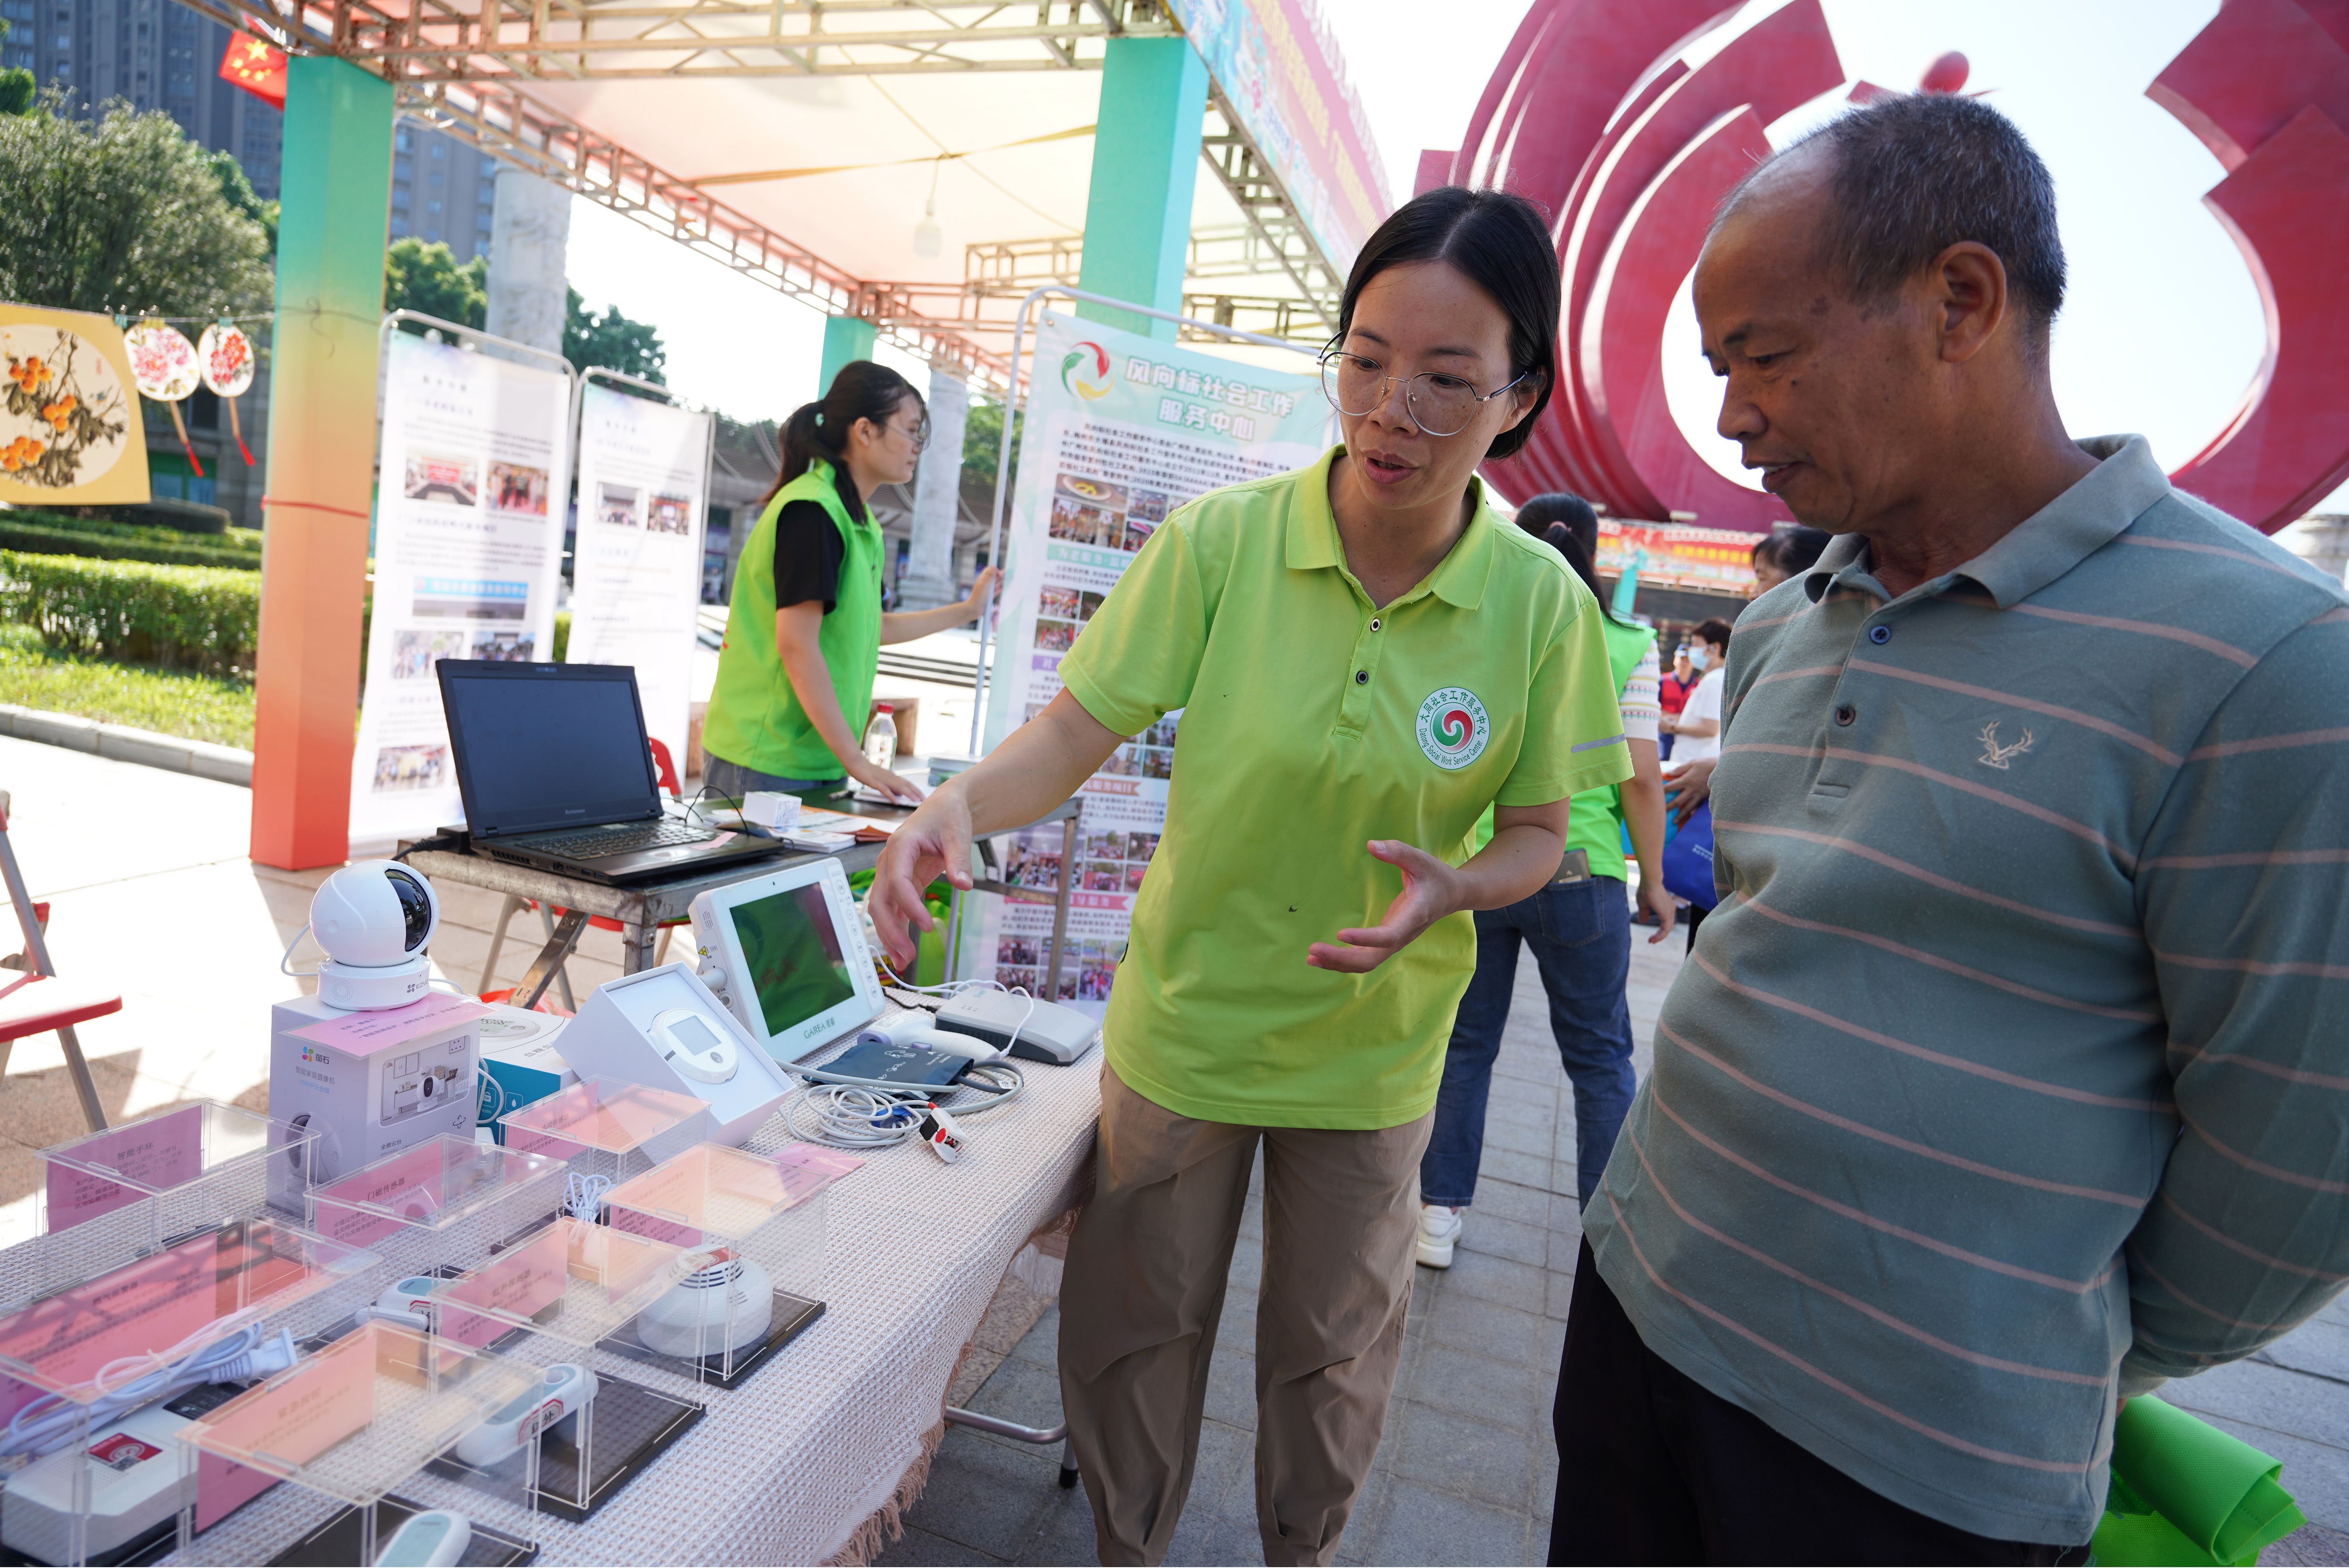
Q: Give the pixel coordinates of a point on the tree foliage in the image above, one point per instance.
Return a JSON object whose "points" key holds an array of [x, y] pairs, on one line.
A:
{"points": [[427, 278], [982, 443], [239, 193], [18, 88], [122, 214], [612, 341]]}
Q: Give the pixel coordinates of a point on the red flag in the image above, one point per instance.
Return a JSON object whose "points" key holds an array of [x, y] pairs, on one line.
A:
{"points": [[257, 66]]}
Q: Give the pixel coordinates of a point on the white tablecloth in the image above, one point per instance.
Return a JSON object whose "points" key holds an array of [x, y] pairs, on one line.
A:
{"points": [[788, 1464]]}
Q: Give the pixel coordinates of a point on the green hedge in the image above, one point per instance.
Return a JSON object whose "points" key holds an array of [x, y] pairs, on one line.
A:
{"points": [[48, 541], [239, 539], [199, 618]]}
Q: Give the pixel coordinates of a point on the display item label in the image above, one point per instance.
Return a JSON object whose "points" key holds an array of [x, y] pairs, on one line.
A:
{"points": [[1452, 727]]}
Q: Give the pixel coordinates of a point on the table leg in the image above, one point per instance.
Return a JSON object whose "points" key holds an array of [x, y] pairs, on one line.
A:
{"points": [[637, 946], [1060, 907], [560, 946]]}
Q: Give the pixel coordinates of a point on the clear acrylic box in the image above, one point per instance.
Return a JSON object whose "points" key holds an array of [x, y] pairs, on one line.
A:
{"points": [[609, 1131], [553, 1301], [358, 1417], [208, 1162], [761, 1218], [437, 1210], [89, 1317]]}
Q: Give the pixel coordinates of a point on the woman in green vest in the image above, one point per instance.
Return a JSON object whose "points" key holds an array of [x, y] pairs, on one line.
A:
{"points": [[804, 634], [1579, 928]]}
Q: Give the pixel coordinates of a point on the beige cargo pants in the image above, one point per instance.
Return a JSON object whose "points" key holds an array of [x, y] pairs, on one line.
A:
{"points": [[1144, 1288]]}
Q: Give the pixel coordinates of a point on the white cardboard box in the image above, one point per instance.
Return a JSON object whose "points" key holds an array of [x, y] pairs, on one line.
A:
{"points": [[373, 1084]]}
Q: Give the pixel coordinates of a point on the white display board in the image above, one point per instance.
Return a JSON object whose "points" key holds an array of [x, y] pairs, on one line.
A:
{"points": [[636, 562], [1121, 429], [473, 474]]}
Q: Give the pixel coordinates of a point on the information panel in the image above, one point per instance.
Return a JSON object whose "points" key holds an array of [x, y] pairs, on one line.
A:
{"points": [[635, 565], [468, 556], [1121, 429]]}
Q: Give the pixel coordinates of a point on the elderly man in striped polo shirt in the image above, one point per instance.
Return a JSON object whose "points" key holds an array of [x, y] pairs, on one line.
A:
{"points": [[2009, 1079]]}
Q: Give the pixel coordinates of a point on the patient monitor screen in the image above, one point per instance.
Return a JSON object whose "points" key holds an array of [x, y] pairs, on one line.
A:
{"points": [[797, 969]]}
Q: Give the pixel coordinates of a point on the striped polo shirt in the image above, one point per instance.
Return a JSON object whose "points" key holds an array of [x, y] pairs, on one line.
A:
{"points": [[2012, 1072]]}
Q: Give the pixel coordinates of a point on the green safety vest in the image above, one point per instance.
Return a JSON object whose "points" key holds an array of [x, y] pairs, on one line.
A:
{"points": [[755, 719], [1597, 817]]}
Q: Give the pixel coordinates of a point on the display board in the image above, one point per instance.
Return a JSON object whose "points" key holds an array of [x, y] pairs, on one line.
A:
{"points": [[1121, 429], [1678, 554], [468, 556], [636, 562], [70, 432]]}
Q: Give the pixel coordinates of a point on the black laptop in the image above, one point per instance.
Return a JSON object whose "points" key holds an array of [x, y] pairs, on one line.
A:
{"points": [[557, 773]]}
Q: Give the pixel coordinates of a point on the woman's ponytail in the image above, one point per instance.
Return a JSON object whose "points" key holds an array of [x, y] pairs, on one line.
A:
{"points": [[860, 390]]}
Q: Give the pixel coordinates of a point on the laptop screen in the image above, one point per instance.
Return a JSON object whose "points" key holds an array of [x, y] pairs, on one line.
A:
{"points": [[547, 746]]}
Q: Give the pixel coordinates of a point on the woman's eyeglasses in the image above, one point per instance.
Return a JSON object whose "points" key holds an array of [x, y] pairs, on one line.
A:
{"points": [[918, 432], [1440, 405]]}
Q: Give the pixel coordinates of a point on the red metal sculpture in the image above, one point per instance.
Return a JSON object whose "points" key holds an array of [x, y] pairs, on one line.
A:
{"points": [[1591, 113]]}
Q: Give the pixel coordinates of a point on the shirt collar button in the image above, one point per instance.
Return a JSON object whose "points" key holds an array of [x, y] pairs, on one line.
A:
{"points": [[1374, 623]]}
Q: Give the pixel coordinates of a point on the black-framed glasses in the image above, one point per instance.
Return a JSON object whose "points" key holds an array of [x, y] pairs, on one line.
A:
{"points": [[1440, 405]]}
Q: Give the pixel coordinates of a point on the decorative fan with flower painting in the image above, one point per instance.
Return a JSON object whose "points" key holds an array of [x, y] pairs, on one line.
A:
{"points": [[226, 354], [163, 365]]}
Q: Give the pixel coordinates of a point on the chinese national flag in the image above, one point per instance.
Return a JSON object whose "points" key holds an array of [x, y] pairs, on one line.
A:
{"points": [[257, 66]]}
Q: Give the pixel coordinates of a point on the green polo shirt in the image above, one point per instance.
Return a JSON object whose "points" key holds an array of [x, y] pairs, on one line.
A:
{"points": [[1313, 722]]}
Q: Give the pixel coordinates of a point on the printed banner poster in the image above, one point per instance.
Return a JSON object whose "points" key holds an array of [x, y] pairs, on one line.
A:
{"points": [[1678, 554], [70, 431], [636, 568], [1121, 429], [467, 557]]}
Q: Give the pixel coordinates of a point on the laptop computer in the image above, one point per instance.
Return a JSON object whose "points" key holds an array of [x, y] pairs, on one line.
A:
{"points": [[556, 773]]}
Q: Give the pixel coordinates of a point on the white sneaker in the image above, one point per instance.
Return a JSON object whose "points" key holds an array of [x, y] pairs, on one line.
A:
{"points": [[1439, 1233]]}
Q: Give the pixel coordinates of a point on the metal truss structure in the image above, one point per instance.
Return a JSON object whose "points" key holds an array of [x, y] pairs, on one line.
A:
{"points": [[461, 66]]}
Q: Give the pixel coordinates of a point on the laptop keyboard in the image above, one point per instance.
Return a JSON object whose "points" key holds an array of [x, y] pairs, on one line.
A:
{"points": [[597, 842]]}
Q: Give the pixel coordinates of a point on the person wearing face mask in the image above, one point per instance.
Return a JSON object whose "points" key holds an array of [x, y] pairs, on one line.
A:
{"points": [[1697, 726], [804, 632], [1672, 695], [1367, 657]]}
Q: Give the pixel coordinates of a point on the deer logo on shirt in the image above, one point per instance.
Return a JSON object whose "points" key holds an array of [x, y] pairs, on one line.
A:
{"points": [[1995, 755]]}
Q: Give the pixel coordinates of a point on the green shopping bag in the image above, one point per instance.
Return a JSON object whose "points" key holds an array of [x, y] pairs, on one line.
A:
{"points": [[2184, 1492]]}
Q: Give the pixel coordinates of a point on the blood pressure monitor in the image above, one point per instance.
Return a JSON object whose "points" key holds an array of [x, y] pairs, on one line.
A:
{"points": [[691, 1046]]}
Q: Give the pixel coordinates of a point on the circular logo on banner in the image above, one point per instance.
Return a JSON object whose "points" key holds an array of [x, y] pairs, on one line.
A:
{"points": [[1084, 370], [1452, 727]]}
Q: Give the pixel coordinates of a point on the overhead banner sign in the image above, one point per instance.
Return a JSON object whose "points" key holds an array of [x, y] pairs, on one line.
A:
{"points": [[1121, 429], [467, 557], [635, 567], [1280, 68], [1679, 555]]}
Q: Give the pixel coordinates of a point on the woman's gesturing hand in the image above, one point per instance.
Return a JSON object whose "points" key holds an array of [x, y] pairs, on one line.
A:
{"points": [[933, 840], [1430, 892]]}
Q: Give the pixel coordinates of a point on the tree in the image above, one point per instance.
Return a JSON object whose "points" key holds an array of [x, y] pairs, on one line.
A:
{"points": [[18, 88], [427, 278], [982, 445], [612, 341], [238, 192], [122, 214]]}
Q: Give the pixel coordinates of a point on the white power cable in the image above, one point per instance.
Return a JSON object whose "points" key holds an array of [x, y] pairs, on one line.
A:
{"points": [[50, 1422]]}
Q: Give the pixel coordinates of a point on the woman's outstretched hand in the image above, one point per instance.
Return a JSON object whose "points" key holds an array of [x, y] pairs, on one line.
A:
{"points": [[1430, 892], [934, 841]]}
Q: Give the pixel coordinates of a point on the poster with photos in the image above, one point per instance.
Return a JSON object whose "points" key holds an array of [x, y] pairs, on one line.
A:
{"points": [[1126, 429], [467, 560]]}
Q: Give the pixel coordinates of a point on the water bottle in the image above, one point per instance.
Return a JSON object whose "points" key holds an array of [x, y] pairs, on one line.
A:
{"points": [[881, 740]]}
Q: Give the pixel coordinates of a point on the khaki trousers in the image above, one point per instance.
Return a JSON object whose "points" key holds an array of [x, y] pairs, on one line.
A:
{"points": [[1144, 1288]]}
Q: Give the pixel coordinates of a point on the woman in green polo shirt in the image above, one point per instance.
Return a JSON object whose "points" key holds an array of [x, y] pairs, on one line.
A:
{"points": [[804, 632], [1367, 657]]}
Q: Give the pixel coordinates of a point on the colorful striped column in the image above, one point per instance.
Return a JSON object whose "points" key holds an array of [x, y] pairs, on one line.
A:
{"points": [[1154, 96]]}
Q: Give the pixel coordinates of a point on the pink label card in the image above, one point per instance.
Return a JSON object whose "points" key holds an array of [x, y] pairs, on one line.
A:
{"points": [[408, 1185], [362, 1033], [153, 1155], [516, 1286], [279, 1427]]}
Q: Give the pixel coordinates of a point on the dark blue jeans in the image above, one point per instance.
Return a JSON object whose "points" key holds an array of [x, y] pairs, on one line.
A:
{"points": [[1581, 936]]}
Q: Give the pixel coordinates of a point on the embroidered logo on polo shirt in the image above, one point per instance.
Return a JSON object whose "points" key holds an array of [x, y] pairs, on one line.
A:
{"points": [[1452, 727], [1995, 755]]}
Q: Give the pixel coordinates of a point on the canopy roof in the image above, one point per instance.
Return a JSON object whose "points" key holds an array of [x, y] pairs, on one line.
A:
{"points": [[804, 141]]}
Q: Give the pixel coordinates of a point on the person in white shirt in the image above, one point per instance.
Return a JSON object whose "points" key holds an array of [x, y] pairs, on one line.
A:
{"points": [[1697, 726]]}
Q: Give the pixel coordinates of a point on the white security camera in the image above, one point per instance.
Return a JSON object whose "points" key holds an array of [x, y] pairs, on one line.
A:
{"points": [[375, 918]]}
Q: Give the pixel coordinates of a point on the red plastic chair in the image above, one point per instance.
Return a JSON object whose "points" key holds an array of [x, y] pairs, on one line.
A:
{"points": [[38, 1001]]}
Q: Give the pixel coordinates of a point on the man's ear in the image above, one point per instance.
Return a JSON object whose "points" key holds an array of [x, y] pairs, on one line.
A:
{"points": [[1968, 298]]}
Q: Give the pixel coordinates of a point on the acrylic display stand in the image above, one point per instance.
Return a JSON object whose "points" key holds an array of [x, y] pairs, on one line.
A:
{"points": [[763, 1220], [208, 1162], [336, 1543], [89, 1313], [607, 1131], [353, 1421], [441, 1207], [570, 1287]]}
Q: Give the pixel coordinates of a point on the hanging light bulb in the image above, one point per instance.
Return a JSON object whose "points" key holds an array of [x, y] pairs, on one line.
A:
{"points": [[929, 240]]}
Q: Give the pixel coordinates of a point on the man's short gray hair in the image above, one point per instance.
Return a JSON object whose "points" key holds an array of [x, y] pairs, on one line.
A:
{"points": [[1917, 173]]}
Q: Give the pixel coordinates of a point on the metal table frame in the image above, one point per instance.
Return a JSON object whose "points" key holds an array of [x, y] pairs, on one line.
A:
{"points": [[642, 907]]}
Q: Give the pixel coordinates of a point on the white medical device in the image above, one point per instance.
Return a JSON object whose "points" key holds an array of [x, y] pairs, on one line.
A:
{"points": [[407, 1302], [663, 1029], [375, 918], [136, 1472], [713, 1311], [1022, 1026], [785, 952], [435, 1538], [563, 1391]]}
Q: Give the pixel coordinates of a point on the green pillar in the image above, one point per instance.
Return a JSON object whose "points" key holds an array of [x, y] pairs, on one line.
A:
{"points": [[1154, 93], [845, 337]]}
